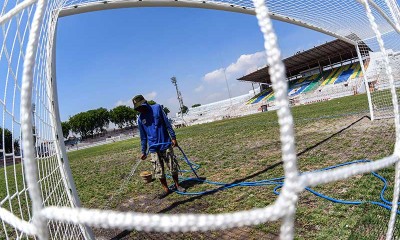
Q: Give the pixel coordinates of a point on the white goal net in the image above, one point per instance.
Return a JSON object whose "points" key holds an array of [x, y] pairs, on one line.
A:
{"points": [[38, 197]]}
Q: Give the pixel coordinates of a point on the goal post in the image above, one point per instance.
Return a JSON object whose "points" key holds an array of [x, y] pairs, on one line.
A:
{"points": [[361, 61], [61, 151], [375, 77]]}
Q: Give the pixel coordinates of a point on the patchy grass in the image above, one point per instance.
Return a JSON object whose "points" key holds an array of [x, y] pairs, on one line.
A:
{"points": [[248, 148]]}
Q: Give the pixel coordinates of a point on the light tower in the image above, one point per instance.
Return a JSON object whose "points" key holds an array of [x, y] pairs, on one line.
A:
{"points": [[179, 95]]}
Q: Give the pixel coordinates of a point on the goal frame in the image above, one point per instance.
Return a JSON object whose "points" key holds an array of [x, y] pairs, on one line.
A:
{"points": [[26, 100]]}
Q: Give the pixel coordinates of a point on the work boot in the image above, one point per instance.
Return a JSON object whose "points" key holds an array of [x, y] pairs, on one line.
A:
{"points": [[163, 194]]}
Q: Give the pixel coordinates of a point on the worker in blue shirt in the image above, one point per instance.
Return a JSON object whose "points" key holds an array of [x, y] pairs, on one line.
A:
{"points": [[158, 138]]}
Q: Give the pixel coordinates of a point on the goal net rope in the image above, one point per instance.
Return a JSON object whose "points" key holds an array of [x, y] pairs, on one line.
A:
{"points": [[40, 198]]}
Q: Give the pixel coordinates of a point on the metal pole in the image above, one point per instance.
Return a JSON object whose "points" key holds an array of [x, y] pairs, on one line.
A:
{"points": [[227, 86], [330, 64], [371, 110], [179, 95], [254, 91], [319, 67]]}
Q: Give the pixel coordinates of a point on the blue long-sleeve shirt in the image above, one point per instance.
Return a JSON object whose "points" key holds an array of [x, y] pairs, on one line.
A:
{"points": [[155, 129]]}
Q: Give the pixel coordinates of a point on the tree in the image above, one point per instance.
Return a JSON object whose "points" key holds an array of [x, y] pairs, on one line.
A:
{"points": [[90, 122], [8, 146], [166, 110], [196, 105], [133, 114], [184, 109], [118, 115], [80, 123], [100, 118], [65, 128], [123, 116], [17, 147], [151, 102]]}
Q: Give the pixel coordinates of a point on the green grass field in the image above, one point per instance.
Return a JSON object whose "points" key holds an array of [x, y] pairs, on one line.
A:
{"points": [[248, 148]]}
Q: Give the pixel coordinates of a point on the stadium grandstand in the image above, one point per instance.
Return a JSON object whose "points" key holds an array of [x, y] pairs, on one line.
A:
{"points": [[327, 71]]}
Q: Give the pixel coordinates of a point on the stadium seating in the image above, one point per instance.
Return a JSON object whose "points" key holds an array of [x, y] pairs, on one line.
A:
{"points": [[333, 76], [251, 100], [270, 97], [260, 96], [295, 87], [345, 75], [316, 82], [357, 71], [299, 86]]}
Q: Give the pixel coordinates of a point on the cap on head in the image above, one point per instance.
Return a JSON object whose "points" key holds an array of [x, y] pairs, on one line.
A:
{"points": [[138, 100]]}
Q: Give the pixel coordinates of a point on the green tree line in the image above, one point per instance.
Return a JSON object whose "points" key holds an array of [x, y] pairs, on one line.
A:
{"points": [[97, 120]]}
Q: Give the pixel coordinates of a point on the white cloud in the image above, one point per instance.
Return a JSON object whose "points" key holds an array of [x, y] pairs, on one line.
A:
{"points": [[199, 88], [214, 82], [244, 65], [150, 95], [215, 76]]}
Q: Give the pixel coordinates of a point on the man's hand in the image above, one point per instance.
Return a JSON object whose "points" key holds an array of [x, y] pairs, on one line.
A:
{"points": [[143, 157], [174, 143]]}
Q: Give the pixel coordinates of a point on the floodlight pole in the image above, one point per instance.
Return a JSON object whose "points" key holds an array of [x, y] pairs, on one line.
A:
{"points": [[179, 95], [227, 86]]}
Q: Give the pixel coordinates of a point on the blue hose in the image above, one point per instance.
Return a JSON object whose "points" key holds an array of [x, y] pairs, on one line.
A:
{"points": [[278, 182]]}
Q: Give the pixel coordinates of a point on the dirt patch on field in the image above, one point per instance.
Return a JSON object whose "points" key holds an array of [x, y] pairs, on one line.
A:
{"points": [[150, 204]]}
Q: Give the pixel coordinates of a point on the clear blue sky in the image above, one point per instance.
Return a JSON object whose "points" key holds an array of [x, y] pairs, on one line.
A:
{"points": [[104, 58]]}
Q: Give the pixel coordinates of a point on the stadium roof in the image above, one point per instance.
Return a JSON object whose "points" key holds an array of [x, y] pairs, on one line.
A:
{"points": [[322, 55]]}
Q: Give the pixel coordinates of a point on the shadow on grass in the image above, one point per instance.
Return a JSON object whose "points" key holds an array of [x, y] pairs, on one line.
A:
{"points": [[191, 199], [189, 183]]}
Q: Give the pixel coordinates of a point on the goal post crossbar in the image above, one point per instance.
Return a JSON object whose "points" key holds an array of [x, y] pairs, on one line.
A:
{"points": [[99, 6]]}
